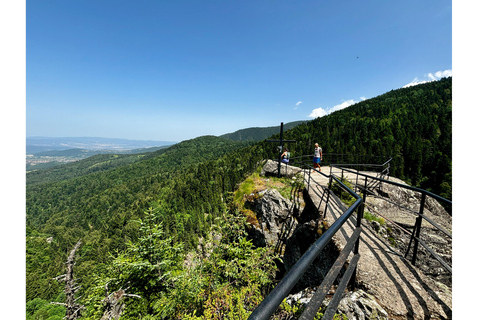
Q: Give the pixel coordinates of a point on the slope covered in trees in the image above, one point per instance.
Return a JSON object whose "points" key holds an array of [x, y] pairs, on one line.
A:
{"points": [[412, 125], [97, 198], [139, 215], [258, 134]]}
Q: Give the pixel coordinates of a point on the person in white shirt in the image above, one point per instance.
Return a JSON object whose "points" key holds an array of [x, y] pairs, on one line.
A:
{"points": [[317, 157]]}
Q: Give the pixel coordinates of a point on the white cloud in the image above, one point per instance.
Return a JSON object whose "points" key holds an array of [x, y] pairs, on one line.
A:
{"points": [[343, 105], [317, 113], [440, 74], [415, 82], [297, 104], [431, 76], [320, 112]]}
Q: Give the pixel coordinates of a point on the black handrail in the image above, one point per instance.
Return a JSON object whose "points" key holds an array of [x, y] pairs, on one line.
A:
{"points": [[273, 300], [415, 235]]}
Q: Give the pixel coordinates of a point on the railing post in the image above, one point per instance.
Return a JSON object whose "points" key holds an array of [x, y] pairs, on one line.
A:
{"points": [[328, 196], [365, 192], [419, 226], [356, 183], [309, 175], [356, 249]]}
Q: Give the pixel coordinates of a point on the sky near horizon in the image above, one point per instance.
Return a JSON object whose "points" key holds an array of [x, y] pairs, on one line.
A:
{"points": [[176, 70]]}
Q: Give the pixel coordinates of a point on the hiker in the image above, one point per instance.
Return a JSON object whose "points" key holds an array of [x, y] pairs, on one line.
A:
{"points": [[317, 157], [285, 156]]}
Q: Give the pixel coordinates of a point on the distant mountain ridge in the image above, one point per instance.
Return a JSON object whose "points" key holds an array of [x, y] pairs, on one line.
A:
{"points": [[259, 133], [41, 144], [37, 145]]}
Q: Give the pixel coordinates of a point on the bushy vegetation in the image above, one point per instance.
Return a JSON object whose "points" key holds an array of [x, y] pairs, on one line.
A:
{"points": [[227, 276]]}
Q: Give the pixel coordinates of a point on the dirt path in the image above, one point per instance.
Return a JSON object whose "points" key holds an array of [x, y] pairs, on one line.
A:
{"points": [[399, 287]]}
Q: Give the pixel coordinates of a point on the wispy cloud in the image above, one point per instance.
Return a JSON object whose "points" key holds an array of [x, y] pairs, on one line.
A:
{"points": [[343, 105], [431, 77], [297, 104], [320, 112]]}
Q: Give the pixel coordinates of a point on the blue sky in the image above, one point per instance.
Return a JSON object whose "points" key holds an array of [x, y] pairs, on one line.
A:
{"points": [[175, 70]]}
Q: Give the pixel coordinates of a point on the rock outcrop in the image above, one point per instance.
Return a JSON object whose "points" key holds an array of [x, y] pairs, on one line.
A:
{"points": [[274, 215], [290, 231], [271, 168], [357, 305]]}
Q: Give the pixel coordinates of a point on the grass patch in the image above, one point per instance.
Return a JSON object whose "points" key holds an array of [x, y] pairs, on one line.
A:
{"points": [[341, 193], [250, 188], [371, 217]]}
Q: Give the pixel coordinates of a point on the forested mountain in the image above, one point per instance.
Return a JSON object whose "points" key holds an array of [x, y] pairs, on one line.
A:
{"points": [[412, 125], [258, 134], [139, 215], [98, 199]]}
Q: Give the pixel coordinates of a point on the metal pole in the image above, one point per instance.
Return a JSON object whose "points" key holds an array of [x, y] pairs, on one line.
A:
{"points": [[356, 183], [281, 148], [360, 211], [417, 233]]}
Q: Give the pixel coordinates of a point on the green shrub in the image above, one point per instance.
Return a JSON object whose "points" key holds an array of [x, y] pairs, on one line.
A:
{"points": [[371, 217], [39, 309]]}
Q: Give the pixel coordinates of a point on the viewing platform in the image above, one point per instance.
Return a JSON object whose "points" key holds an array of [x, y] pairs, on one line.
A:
{"points": [[401, 288]]}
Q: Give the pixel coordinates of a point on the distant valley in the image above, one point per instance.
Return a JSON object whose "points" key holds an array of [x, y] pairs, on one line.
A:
{"points": [[40, 144], [47, 152]]}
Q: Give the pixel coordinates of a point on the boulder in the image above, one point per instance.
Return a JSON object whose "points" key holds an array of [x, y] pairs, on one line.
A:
{"points": [[271, 168], [273, 215], [359, 305]]}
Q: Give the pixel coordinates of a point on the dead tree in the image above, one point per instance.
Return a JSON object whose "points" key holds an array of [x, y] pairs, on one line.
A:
{"points": [[73, 308], [114, 303]]}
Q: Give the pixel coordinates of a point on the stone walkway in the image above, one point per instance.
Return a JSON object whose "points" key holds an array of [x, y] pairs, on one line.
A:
{"points": [[399, 287]]}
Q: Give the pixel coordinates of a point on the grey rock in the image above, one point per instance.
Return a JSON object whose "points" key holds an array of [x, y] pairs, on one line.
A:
{"points": [[273, 213], [360, 305], [271, 168]]}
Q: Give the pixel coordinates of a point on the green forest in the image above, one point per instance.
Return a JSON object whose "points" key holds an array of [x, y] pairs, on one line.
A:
{"points": [[145, 219]]}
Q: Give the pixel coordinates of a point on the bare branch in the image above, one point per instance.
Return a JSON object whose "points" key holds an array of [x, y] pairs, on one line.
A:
{"points": [[59, 303], [114, 304], [71, 287]]}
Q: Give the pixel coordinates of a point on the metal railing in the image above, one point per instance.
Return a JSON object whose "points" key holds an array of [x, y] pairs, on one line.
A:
{"points": [[270, 304], [274, 299], [420, 216]]}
